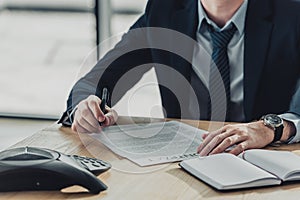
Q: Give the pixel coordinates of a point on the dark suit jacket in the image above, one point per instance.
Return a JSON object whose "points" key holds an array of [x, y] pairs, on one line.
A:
{"points": [[271, 57]]}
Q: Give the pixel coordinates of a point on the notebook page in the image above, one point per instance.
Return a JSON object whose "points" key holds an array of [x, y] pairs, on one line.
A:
{"points": [[226, 171], [281, 163]]}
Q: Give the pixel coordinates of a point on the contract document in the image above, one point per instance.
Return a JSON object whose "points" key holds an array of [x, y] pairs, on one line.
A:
{"points": [[153, 143]]}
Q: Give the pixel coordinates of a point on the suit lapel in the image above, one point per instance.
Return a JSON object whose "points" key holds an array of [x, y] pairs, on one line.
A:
{"points": [[258, 31], [184, 20]]}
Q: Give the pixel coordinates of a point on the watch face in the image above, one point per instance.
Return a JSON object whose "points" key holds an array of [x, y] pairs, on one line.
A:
{"points": [[273, 120]]}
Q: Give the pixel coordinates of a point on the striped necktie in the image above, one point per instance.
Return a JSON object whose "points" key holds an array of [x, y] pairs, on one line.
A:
{"points": [[219, 78]]}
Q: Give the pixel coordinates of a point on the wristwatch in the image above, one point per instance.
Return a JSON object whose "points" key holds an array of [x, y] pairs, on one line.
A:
{"points": [[274, 122]]}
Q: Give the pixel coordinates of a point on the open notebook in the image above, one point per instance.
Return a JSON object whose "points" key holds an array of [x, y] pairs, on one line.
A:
{"points": [[253, 168]]}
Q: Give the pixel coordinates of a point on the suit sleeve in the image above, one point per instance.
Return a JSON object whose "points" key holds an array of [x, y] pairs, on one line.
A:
{"points": [[293, 115], [122, 59]]}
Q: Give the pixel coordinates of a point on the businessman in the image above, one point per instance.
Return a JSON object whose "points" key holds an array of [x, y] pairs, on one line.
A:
{"points": [[253, 45]]}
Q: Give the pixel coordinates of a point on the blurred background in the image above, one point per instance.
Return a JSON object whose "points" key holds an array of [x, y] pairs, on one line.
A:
{"points": [[43, 44]]}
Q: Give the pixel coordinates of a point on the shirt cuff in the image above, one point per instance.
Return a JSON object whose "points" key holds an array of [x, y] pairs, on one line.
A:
{"points": [[295, 119], [68, 117]]}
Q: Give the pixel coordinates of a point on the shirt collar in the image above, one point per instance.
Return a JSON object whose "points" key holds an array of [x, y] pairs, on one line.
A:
{"points": [[238, 18]]}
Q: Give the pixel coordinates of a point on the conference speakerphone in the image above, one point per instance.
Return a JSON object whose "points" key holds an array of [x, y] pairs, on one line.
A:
{"points": [[30, 168]]}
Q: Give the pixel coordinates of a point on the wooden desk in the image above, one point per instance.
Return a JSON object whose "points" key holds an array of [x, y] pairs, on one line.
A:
{"points": [[128, 181]]}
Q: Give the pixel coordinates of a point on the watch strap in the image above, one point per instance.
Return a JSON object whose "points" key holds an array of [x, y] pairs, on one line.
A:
{"points": [[278, 133]]}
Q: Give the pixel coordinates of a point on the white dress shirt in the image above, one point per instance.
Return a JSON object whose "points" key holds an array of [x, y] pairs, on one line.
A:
{"points": [[236, 61]]}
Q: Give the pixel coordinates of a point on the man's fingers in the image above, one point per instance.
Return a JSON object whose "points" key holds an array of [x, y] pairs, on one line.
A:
{"points": [[239, 148], [89, 114], [94, 106], [226, 143], [78, 128], [90, 119], [111, 117], [73, 127], [83, 123], [208, 139], [215, 141], [85, 115], [204, 136]]}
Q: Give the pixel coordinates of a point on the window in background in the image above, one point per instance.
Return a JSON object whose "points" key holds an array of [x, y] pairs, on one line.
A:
{"points": [[43, 44], [41, 50]]}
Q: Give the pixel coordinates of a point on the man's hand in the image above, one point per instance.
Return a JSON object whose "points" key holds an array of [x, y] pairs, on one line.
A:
{"points": [[88, 115], [239, 136]]}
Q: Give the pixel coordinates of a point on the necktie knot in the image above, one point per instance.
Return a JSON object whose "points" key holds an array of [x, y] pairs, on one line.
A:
{"points": [[221, 39]]}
